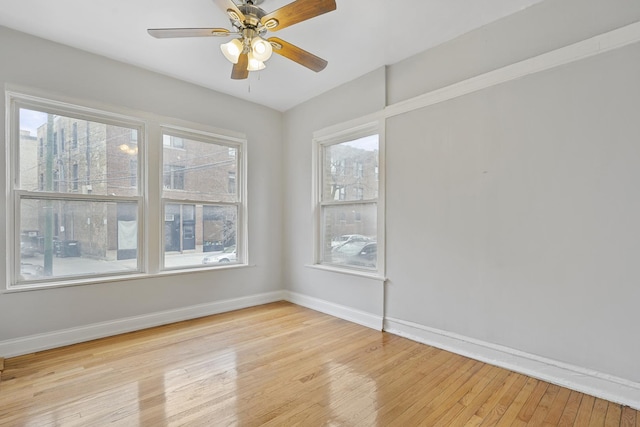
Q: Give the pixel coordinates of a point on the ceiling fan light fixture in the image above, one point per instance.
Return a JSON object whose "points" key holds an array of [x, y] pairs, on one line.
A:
{"points": [[255, 64], [261, 49], [232, 50]]}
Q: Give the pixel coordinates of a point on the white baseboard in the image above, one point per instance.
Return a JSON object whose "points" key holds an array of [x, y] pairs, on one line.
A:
{"points": [[587, 381], [39, 342], [343, 312]]}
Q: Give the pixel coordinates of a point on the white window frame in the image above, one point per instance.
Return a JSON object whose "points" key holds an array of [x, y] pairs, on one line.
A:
{"points": [[150, 182], [239, 147], [14, 102], [338, 135]]}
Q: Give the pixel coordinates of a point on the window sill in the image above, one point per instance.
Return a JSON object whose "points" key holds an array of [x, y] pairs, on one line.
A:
{"points": [[359, 273], [40, 286]]}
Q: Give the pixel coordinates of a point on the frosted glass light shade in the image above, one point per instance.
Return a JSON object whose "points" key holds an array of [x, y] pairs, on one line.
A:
{"points": [[255, 64], [232, 50], [261, 49]]}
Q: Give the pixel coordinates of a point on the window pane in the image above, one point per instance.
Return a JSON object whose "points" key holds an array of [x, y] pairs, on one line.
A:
{"points": [[198, 170], [350, 235], [73, 238], [70, 155], [199, 234], [350, 170]]}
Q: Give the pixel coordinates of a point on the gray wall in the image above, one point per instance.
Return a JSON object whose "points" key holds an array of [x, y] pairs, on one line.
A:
{"points": [[539, 29], [358, 98], [526, 214], [34, 63], [511, 212]]}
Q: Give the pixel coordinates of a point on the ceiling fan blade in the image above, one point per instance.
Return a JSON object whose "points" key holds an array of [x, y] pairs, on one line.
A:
{"points": [[165, 33], [297, 11], [298, 55], [240, 71], [229, 6]]}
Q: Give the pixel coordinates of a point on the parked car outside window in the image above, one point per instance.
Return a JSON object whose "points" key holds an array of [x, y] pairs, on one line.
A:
{"points": [[367, 257], [348, 238], [228, 255]]}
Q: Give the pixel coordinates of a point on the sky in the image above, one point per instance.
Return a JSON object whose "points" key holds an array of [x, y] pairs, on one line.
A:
{"points": [[31, 120], [368, 143]]}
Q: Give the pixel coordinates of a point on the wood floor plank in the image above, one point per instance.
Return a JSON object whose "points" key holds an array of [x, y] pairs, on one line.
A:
{"points": [[598, 413], [279, 365], [511, 414], [584, 411], [628, 417], [532, 403], [490, 404], [571, 409], [614, 415], [428, 384], [425, 413], [542, 409], [557, 408], [496, 412], [468, 405]]}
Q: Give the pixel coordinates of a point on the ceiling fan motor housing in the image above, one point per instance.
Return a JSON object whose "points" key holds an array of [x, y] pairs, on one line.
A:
{"points": [[252, 14]]}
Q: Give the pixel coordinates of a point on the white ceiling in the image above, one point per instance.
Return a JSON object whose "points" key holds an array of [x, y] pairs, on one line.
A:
{"points": [[358, 37]]}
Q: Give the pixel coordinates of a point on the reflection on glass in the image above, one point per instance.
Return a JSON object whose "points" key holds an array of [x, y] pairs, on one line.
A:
{"points": [[350, 170], [199, 234], [350, 235], [198, 170], [61, 239], [70, 155]]}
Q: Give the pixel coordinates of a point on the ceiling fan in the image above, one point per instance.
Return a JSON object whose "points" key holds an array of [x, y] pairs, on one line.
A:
{"points": [[250, 23]]}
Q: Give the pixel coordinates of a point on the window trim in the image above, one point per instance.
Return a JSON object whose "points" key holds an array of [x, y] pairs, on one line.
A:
{"points": [[337, 135], [149, 193], [14, 102], [240, 145]]}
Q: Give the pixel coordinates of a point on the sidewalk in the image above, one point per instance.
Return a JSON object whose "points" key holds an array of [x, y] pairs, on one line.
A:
{"points": [[78, 266]]}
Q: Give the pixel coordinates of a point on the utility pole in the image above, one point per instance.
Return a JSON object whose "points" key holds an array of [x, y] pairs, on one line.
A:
{"points": [[48, 209]]}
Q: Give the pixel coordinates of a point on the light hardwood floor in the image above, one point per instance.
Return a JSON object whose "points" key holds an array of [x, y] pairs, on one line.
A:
{"points": [[280, 365]]}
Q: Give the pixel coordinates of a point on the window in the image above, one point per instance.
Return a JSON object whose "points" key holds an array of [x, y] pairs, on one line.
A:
{"points": [[206, 214], [133, 172], [338, 192], [75, 176], [358, 169], [349, 220], [65, 230], [77, 206], [74, 135], [359, 193], [232, 182], [172, 141]]}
